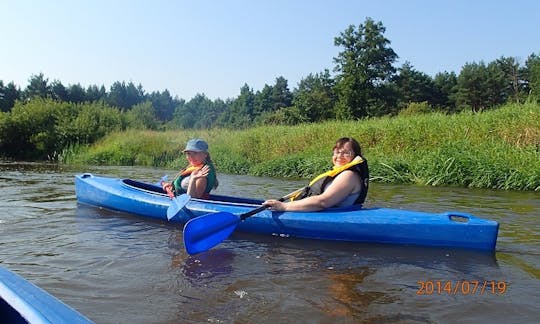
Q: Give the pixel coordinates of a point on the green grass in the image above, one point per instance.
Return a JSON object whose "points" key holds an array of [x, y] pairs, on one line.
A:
{"points": [[497, 149]]}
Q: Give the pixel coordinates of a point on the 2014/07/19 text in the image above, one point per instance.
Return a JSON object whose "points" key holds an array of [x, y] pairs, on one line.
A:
{"points": [[462, 287]]}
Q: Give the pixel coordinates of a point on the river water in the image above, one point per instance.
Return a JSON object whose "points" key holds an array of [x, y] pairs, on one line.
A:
{"points": [[119, 268]]}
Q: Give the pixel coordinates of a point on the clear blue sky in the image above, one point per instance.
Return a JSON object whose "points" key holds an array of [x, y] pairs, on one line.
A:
{"points": [[214, 47]]}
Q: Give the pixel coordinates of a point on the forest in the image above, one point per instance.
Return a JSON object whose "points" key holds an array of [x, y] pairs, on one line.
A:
{"points": [[47, 117]]}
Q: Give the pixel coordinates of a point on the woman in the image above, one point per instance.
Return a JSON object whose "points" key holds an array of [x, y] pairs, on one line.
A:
{"points": [[199, 177], [345, 185]]}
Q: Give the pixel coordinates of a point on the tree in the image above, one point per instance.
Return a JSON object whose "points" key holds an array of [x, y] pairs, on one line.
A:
{"points": [[263, 101], [141, 116], [219, 107], [315, 97], [196, 113], [364, 67], [532, 66], [8, 95], [281, 96], [241, 110], [514, 78], [76, 93], [38, 86], [93, 93], [498, 87], [93, 121], [134, 94], [125, 96], [58, 91], [413, 86], [272, 98], [117, 95], [471, 86], [203, 110], [445, 88], [163, 104], [482, 86]]}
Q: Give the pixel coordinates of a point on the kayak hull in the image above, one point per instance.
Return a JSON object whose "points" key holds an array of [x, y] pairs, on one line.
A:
{"points": [[24, 302], [353, 224]]}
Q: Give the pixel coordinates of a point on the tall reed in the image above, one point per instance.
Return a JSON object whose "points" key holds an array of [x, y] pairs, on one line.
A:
{"points": [[494, 149]]}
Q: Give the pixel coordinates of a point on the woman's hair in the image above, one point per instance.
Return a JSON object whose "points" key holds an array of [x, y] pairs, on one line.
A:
{"points": [[354, 144]]}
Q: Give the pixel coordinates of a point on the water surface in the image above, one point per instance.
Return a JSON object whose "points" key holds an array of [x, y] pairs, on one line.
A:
{"points": [[119, 268]]}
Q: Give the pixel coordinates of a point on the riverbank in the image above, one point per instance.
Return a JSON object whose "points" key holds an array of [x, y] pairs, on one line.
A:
{"points": [[497, 149]]}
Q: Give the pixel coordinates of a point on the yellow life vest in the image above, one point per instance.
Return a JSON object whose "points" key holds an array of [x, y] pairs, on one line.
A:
{"points": [[337, 170], [316, 186]]}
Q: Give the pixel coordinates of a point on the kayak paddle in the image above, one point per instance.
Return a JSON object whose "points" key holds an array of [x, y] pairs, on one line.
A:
{"points": [[163, 179], [177, 204], [206, 231]]}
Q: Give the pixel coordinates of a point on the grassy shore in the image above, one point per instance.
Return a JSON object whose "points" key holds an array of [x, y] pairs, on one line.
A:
{"points": [[497, 149]]}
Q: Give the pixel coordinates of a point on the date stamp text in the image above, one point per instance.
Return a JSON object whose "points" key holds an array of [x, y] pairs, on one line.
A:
{"points": [[461, 287]]}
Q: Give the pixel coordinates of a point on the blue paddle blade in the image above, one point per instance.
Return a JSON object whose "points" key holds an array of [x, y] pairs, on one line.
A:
{"points": [[204, 232], [177, 204]]}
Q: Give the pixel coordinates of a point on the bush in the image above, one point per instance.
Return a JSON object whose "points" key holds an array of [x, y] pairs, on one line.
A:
{"points": [[416, 108], [42, 128]]}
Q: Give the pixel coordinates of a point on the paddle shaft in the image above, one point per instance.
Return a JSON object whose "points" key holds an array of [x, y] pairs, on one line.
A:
{"points": [[260, 209]]}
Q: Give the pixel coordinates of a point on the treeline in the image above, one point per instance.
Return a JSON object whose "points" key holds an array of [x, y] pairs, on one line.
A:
{"points": [[365, 83]]}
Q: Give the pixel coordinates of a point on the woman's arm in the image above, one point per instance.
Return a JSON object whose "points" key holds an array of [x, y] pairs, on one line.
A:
{"points": [[342, 186], [197, 182]]}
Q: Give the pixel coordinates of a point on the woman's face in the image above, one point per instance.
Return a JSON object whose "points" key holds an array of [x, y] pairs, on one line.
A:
{"points": [[343, 155], [195, 158]]}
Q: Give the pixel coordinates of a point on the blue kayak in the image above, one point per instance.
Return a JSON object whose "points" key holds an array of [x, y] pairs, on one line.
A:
{"points": [[24, 302], [352, 224]]}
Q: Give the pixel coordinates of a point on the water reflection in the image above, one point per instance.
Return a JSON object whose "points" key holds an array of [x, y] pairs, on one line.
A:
{"points": [[344, 255], [200, 268], [349, 297]]}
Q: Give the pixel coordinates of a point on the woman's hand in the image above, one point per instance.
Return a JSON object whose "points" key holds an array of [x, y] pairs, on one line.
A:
{"points": [[275, 205], [201, 173], [198, 181], [165, 185], [168, 188]]}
